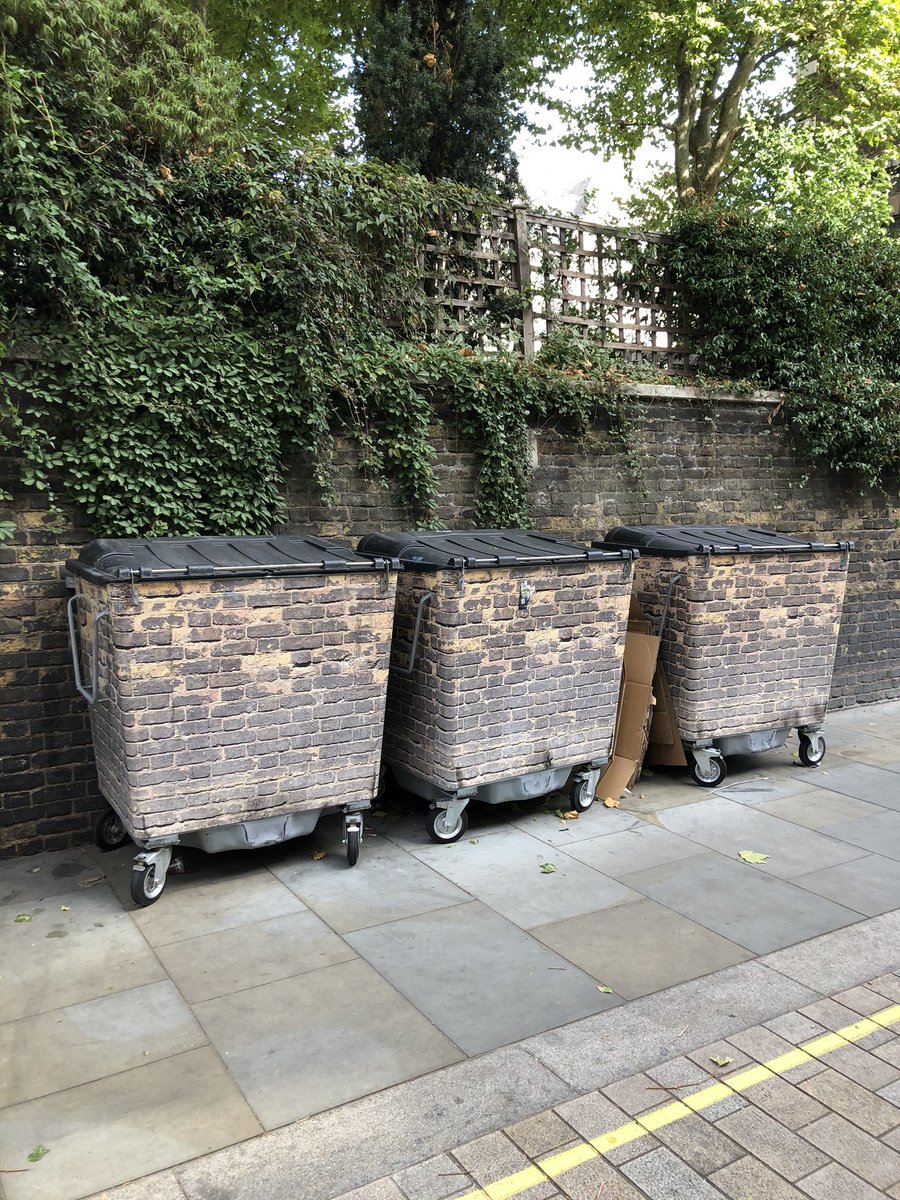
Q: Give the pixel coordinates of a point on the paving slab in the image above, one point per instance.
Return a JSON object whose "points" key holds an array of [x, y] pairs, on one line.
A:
{"points": [[505, 873], [874, 751], [119, 1128], [595, 1114], [597, 1180], [765, 787], [877, 1163], [837, 1183], [487, 982], [217, 964], [338, 1150], [663, 1176], [749, 1178], [640, 948], [162, 1186], [390, 884], [739, 902], [212, 901], [437, 1178], [304, 1044], [74, 1045], [36, 877], [598, 821], [873, 1113], [494, 1156], [645, 845], [865, 782], [816, 808], [722, 825], [768, 1140], [76, 946], [599, 1050], [382, 1189], [880, 833], [842, 958], [870, 885], [539, 1135]]}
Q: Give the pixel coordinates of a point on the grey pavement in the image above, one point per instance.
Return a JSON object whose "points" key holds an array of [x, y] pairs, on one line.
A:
{"points": [[279, 1025]]}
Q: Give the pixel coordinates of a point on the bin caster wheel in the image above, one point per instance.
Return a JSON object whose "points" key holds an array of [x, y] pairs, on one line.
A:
{"points": [[581, 796], [108, 831], [147, 884], [353, 842], [812, 750], [439, 830], [710, 775]]}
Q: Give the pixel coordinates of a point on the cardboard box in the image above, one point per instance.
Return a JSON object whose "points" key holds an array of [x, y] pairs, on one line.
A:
{"points": [[665, 748], [636, 701]]}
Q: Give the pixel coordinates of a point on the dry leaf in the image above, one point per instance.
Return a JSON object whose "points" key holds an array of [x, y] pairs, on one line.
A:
{"points": [[91, 882], [571, 816], [64, 907], [34, 870], [23, 917], [642, 796], [609, 802], [752, 856], [473, 841], [720, 1062], [318, 855]]}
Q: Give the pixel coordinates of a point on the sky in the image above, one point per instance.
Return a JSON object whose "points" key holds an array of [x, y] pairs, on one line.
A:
{"points": [[557, 177]]}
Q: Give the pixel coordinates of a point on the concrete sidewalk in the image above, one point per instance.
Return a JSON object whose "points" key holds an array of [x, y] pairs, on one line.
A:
{"points": [[371, 1018]]}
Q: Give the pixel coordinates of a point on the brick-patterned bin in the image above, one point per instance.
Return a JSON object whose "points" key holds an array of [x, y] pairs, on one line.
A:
{"points": [[515, 642], [236, 688], [749, 636]]}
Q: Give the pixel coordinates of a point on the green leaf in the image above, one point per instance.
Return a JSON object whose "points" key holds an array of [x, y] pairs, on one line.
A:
{"points": [[547, 868], [37, 1153], [752, 856], [601, 987], [720, 1062], [23, 917]]}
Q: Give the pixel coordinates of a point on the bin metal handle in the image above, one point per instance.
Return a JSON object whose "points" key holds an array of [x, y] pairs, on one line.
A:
{"points": [[410, 667], [665, 612], [92, 695]]}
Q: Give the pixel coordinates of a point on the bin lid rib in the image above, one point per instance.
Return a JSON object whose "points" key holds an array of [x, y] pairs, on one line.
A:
{"points": [[456, 548], [113, 560], [675, 540]]}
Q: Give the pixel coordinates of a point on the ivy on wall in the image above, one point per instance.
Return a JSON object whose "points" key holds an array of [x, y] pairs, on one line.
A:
{"points": [[177, 317]]}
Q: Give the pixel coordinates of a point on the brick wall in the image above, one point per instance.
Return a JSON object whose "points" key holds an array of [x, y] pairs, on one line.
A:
{"points": [[749, 640], [498, 690], [701, 460]]}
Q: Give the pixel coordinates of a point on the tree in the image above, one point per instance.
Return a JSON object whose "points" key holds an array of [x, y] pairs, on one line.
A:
{"points": [[701, 76], [434, 94], [293, 60]]}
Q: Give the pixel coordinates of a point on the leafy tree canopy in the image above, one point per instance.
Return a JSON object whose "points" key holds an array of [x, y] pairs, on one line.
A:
{"points": [[743, 93]]}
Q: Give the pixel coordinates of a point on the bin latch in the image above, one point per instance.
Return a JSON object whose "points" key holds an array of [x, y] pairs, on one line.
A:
{"points": [[526, 591]]}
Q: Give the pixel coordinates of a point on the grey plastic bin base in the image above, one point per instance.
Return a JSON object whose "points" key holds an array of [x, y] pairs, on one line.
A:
{"points": [[503, 791]]}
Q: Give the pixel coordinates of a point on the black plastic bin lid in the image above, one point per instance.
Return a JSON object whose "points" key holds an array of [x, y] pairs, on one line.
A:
{"points": [[710, 539], [456, 548], [114, 560]]}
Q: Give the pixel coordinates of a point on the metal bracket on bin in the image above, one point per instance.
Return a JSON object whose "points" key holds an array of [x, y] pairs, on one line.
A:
{"points": [[92, 695], [665, 612], [410, 667]]}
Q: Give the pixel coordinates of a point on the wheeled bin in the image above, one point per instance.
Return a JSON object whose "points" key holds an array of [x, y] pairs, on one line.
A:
{"points": [[508, 650], [749, 622], [236, 689]]}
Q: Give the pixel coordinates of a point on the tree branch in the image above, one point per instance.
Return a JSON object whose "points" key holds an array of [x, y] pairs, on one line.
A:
{"points": [[729, 122]]}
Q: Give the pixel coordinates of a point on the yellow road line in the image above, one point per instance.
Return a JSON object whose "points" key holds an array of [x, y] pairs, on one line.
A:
{"points": [[567, 1160]]}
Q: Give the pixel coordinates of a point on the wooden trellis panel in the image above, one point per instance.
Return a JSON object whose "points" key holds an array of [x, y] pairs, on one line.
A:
{"points": [[575, 274]]}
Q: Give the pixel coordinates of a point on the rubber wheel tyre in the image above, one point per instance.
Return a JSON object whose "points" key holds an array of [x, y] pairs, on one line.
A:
{"points": [[580, 796], [712, 778], [440, 831], [146, 885], [108, 831], [353, 840], [808, 756]]}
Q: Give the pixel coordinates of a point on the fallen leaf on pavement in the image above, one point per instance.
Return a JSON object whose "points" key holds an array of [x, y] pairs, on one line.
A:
{"points": [[38, 1153], [571, 816], [23, 917], [752, 856], [65, 907], [34, 870], [720, 1062], [642, 796], [547, 868], [601, 987], [609, 802], [473, 841], [318, 855], [91, 882]]}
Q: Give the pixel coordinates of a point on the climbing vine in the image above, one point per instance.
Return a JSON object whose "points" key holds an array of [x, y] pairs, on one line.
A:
{"points": [[177, 317]]}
